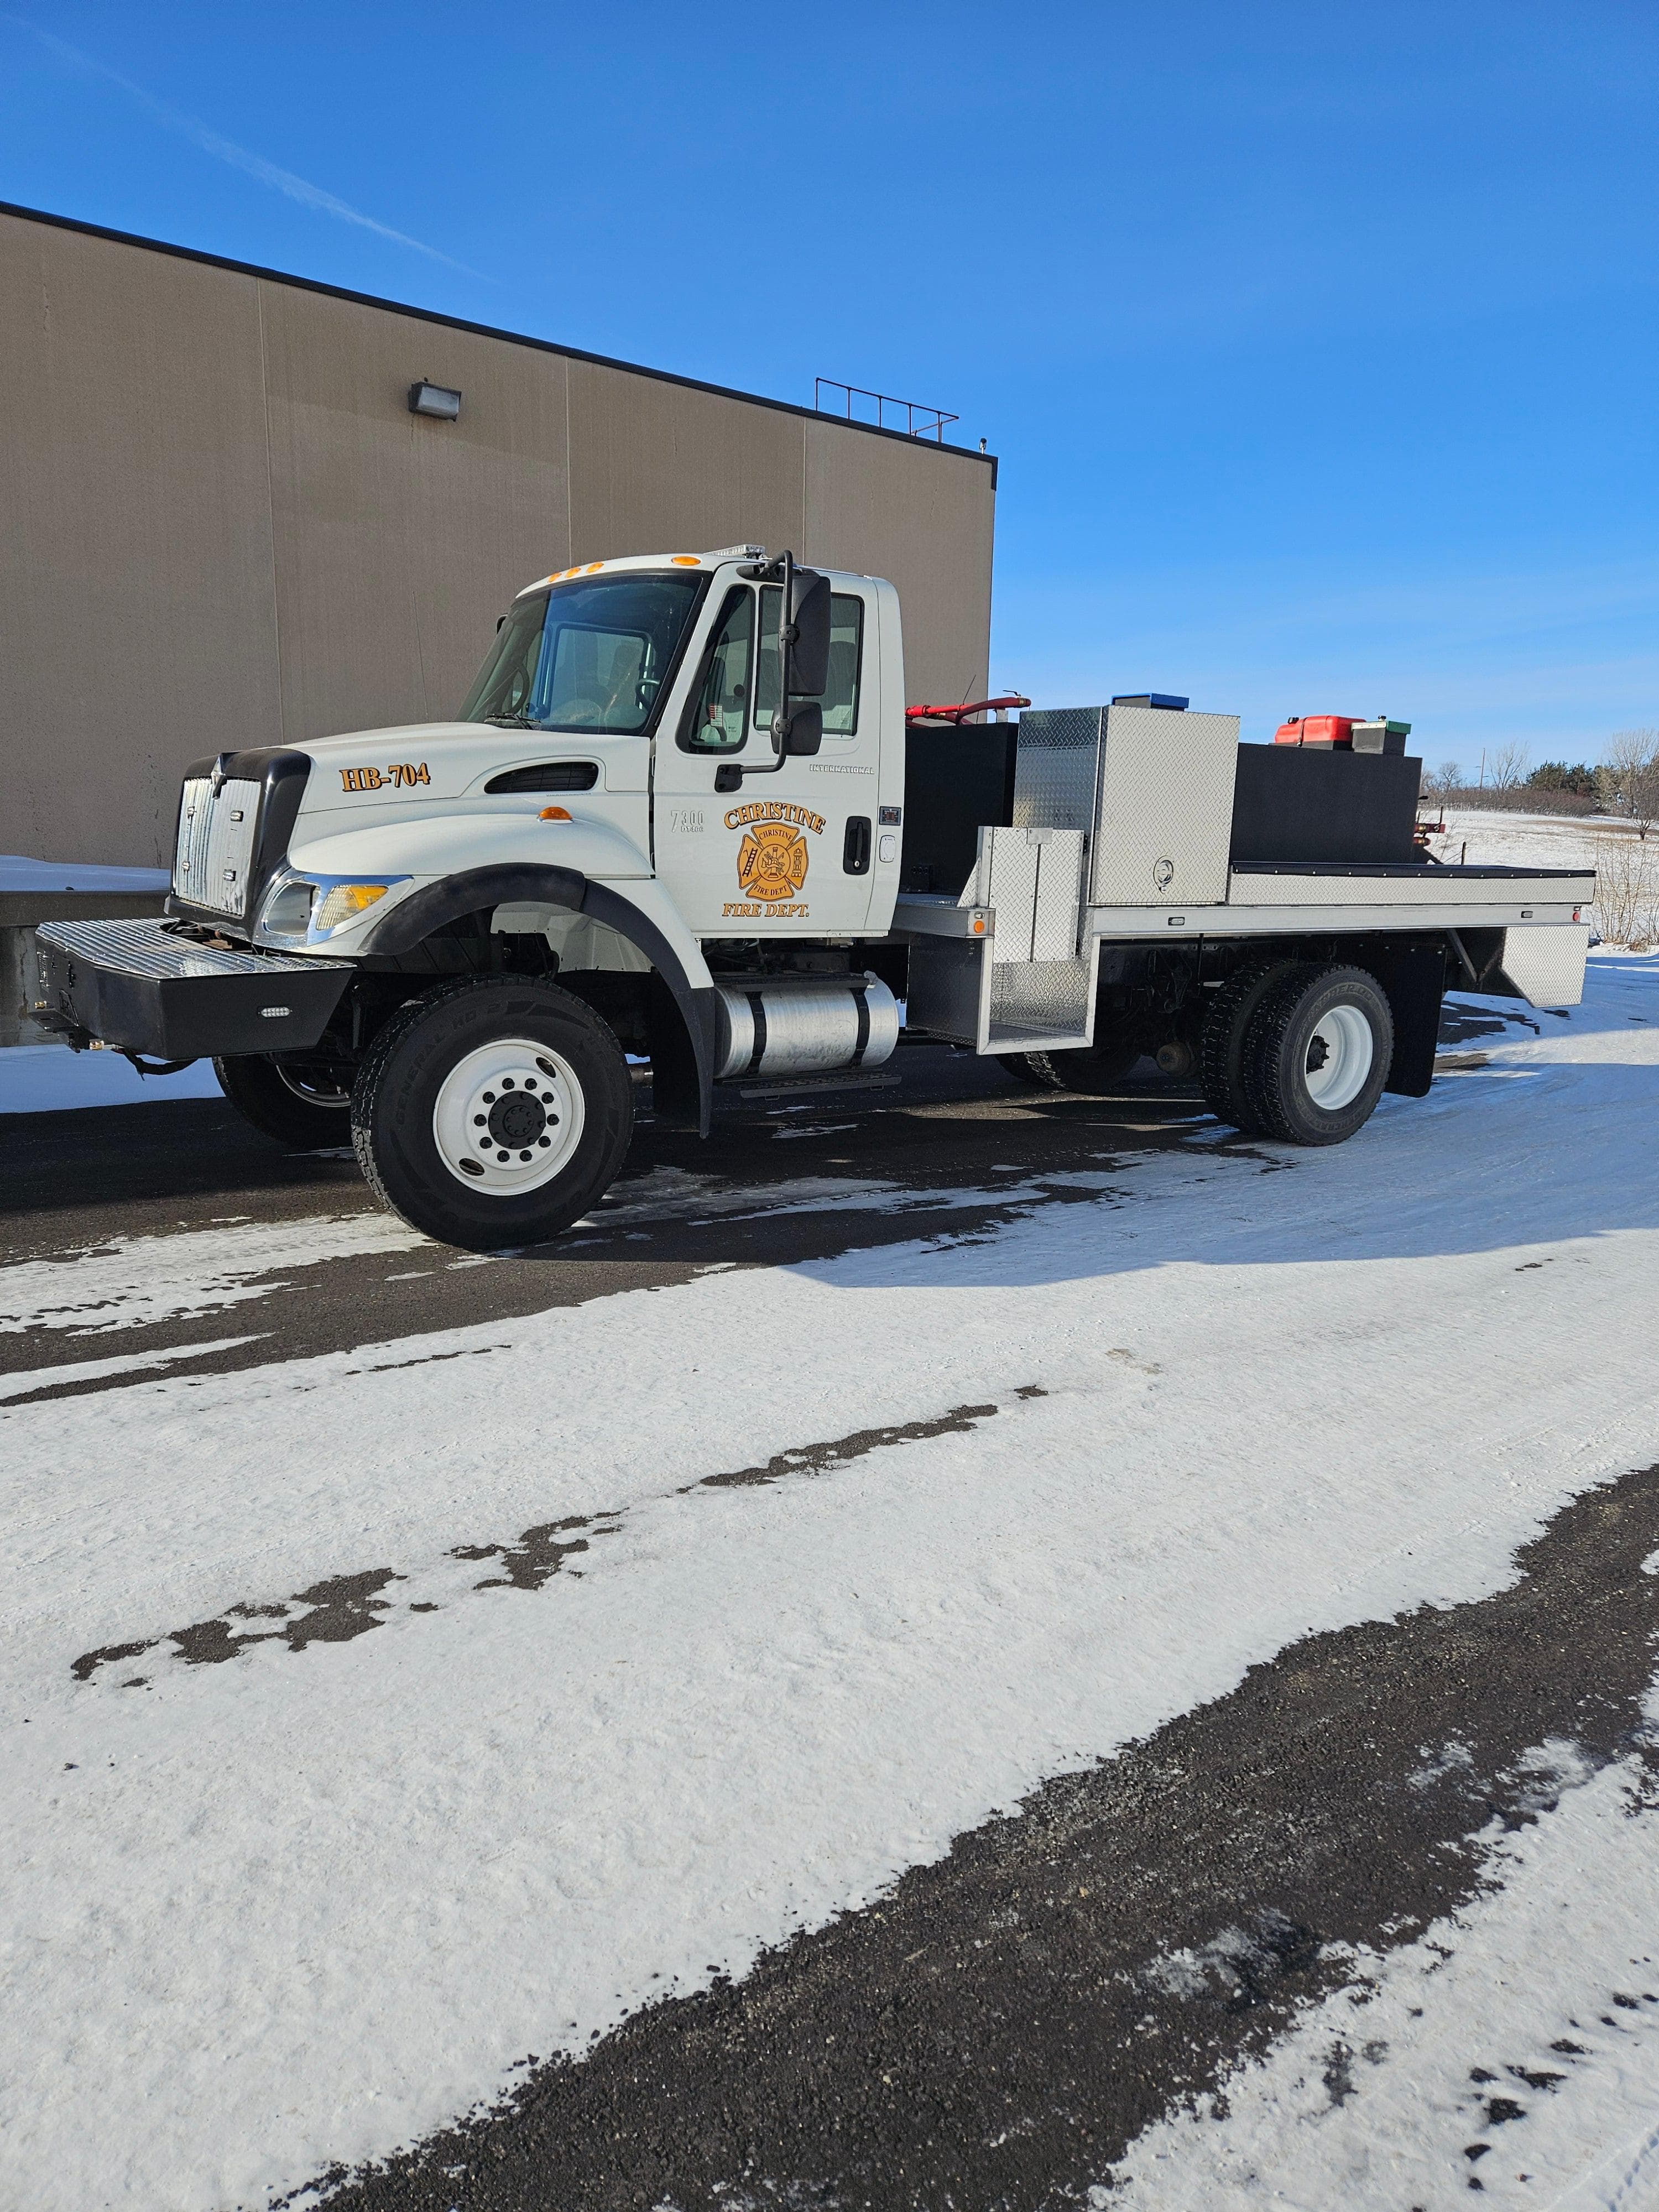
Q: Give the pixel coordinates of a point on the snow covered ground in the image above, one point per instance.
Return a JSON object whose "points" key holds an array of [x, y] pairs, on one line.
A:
{"points": [[1538, 2005], [305, 1905], [1524, 841]]}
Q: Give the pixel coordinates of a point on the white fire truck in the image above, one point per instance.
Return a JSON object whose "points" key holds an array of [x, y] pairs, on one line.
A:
{"points": [[684, 818]]}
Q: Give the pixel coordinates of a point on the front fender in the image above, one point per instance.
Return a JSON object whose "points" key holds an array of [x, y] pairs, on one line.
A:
{"points": [[640, 911]]}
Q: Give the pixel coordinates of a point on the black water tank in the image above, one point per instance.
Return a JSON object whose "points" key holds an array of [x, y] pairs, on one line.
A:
{"points": [[1294, 803]]}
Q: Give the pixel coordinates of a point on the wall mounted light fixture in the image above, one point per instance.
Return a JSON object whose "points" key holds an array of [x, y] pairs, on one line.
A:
{"points": [[436, 399]]}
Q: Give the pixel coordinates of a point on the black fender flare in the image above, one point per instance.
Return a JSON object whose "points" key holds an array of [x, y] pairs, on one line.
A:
{"points": [[523, 884]]}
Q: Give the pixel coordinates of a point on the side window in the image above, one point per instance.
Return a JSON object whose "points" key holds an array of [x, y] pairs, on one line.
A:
{"points": [[720, 712], [840, 693]]}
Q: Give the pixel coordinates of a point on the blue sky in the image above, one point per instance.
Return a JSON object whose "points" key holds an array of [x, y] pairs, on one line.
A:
{"points": [[1318, 343]]}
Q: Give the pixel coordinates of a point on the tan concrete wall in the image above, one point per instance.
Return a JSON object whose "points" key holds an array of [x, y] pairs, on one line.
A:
{"points": [[220, 527], [136, 616], [929, 516]]}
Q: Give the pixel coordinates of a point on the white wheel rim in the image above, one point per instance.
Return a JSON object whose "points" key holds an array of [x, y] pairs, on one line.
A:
{"points": [[1340, 1050], [508, 1117]]}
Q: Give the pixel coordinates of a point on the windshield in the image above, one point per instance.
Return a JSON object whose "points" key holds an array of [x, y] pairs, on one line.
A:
{"points": [[592, 655]]}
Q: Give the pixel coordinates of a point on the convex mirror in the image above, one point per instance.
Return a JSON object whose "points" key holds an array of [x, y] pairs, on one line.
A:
{"points": [[805, 731], [809, 654]]}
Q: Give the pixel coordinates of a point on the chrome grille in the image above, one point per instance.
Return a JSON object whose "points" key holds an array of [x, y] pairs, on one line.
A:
{"points": [[214, 853]]}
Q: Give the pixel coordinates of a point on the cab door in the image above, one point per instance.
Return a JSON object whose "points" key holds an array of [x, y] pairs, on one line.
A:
{"points": [[789, 852]]}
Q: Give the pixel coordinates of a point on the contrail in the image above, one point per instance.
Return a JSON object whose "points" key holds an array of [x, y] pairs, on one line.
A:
{"points": [[225, 150]]}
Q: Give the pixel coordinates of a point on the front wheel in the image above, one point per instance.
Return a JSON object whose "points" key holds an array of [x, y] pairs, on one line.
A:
{"points": [[493, 1112], [303, 1102], [1318, 1054]]}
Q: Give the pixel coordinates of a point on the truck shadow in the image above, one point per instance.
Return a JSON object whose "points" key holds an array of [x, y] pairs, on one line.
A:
{"points": [[1020, 1185]]}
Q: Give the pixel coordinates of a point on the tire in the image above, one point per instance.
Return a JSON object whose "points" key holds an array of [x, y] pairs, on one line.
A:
{"points": [[1092, 1068], [1222, 1062], [299, 1102], [512, 1075], [1318, 1053]]}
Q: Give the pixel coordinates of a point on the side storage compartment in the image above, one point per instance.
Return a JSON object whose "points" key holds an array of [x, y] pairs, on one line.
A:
{"points": [[1026, 985], [1163, 813], [1150, 787]]}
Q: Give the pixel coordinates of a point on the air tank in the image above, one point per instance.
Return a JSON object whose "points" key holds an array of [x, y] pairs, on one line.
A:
{"points": [[803, 1024]]}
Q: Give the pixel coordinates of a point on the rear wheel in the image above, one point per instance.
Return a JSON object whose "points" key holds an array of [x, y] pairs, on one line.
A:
{"points": [[302, 1102], [1318, 1054], [1222, 1059], [493, 1112]]}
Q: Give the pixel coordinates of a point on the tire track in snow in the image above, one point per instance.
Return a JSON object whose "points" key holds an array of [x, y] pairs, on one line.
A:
{"points": [[999, 2029], [339, 1608]]}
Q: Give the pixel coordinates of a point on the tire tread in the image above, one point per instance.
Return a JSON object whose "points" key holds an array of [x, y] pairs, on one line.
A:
{"points": [[1224, 1046], [1265, 1055], [366, 1095]]}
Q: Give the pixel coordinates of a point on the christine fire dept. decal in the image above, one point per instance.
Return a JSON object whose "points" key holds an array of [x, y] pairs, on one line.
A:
{"points": [[773, 858]]}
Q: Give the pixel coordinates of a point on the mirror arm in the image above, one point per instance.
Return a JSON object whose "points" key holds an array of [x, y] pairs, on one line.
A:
{"points": [[729, 776], [787, 633]]}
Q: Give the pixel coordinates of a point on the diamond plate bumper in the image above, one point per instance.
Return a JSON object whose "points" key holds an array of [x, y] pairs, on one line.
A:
{"points": [[141, 987]]}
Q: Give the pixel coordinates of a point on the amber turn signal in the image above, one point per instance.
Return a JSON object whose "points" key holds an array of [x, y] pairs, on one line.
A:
{"points": [[553, 814]]}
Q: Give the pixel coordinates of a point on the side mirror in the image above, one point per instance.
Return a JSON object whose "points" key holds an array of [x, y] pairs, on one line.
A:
{"points": [[805, 731], [809, 654]]}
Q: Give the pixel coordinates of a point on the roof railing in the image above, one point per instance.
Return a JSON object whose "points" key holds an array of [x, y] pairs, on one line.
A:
{"points": [[920, 422]]}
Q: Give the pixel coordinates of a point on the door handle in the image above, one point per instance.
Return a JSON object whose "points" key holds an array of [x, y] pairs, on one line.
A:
{"points": [[855, 846]]}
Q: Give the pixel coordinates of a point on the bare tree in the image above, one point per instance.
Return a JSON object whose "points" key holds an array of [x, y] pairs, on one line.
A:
{"points": [[1626, 890], [1627, 780], [1506, 766], [1442, 781]]}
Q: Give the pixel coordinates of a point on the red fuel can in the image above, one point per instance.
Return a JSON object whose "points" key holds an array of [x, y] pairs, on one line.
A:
{"points": [[1316, 730]]}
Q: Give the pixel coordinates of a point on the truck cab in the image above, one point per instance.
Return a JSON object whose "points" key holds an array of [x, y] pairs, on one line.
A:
{"points": [[622, 725]]}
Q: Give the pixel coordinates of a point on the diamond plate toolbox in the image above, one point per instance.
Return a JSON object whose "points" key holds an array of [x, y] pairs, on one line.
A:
{"points": [[1163, 808]]}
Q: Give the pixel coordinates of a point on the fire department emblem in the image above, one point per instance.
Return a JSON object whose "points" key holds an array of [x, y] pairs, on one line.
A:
{"points": [[772, 862]]}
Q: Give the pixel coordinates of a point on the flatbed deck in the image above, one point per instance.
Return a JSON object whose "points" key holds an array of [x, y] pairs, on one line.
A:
{"points": [[1273, 901]]}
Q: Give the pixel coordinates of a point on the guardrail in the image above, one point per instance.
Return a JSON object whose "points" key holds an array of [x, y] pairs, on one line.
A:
{"points": [[920, 422]]}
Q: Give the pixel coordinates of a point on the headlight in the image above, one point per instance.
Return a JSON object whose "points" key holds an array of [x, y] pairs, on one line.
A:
{"points": [[300, 910], [343, 903], [286, 914]]}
